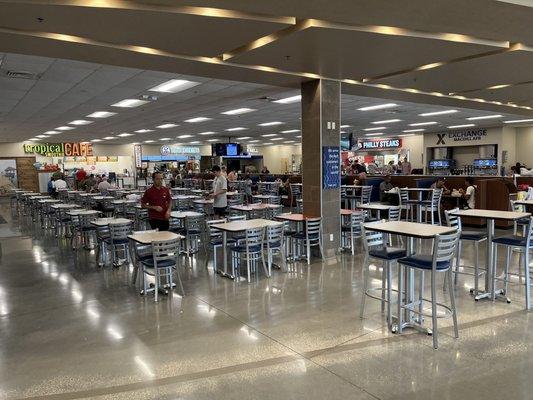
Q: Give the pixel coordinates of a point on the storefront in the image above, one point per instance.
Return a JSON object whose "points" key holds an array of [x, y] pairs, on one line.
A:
{"points": [[379, 151]]}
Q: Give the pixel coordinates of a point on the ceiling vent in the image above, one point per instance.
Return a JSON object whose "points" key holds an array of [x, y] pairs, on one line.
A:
{"points": [[19, 74]]}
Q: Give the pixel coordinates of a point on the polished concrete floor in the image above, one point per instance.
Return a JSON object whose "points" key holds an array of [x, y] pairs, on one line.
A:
{"points": [[69, 330]]}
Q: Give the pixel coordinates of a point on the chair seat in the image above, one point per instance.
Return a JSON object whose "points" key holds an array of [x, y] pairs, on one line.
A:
{"points": [[423, 261], [116, 241], [510, 240], [88, 228], [149, 262], [273, 245], [388, 253], [301, 235], [289, 232], [473, 235], [242, 249], [177, 230], [219, 241], [193, 231]]}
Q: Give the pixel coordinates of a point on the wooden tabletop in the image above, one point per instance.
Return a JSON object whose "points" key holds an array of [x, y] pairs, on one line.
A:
{"points": [[295, 217], [492, 214], [185, 214], [149, 237], [238, 226], [64, 205], [414, 229], [375, 206], [83, 212], [110, 221]]}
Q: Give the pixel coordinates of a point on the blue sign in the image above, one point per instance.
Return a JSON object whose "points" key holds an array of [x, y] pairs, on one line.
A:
{"points": [[331, 172]]}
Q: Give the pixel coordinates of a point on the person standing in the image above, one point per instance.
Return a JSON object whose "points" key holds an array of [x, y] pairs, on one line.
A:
{"points": [[219, 193], [158, 200], [81, 175], [103, 187], [406, 167], [60, 183]]}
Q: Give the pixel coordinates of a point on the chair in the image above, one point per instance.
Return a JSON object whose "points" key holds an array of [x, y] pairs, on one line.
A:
{"points": [[102, 235], [272, 212], [215, 241], [310, 237], [296, 193], [182, 204], [63, 223], [250, 252], [83, 229], [366, 193], [439, 261], [194, 229], [374, 244], [395, 214], [514, 241], [433, 206], [406, 204], [164, 258], [351, 229], [239, 236], [274, 243], [471, 236], [118, 240], [299, 206], [274, 200]]}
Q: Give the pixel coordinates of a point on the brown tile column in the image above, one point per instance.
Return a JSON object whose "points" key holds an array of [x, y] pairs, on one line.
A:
{"points": [[321, 134]]}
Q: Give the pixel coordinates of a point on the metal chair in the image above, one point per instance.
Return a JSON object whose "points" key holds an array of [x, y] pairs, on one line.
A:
{"points": [[274, 243], [118, 241], [433, 206], [366, 193], [194, 230], [439, 261], [215, 241], [296, 193], [406, 204], [310, 237], [249, 252], [351, 229], [275, 200], [83, 229]]}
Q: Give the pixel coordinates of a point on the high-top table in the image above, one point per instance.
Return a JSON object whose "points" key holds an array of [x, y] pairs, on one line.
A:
{"points": [[378, 207], [490, 216], [255, 207], [419, 202]]}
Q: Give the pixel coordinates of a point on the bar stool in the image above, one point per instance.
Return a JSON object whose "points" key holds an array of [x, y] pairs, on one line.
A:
{"points": [[351, 229], [250, 252], [433, 206], [274, 243], [406, 204], [118, 240], [310, 237]]}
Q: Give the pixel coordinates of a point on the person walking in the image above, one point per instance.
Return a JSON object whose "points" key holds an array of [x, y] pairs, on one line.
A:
{"points": [[219, 193], [158, 200]]}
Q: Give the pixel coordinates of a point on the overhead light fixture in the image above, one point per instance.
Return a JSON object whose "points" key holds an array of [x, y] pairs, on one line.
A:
{"points": [[195, 142], [517, 121], [461, 126], [288, 100], [291, 131], [345, 126], [213, 140], [165, 138], [299, 136], [253, 141], [149, 141], [96, 140], [174, 86], [65, 128], [424, 123], [414, 130], [375, 129], [238, 111], [430, 114], [110, 137], [378, 107], [184, 136], [166, 126], [239, 128], [277, 138], [34, 139], [101, 114], [197, 119], [374, 134], [41, 136], [407, 134], [271, 123], [130, 103], [51, 133], [207, 133], [80, 122], [289, 141], [485, 117], [125, 134], [386, 121], [269, 134], [244, 138], [144, 130]]}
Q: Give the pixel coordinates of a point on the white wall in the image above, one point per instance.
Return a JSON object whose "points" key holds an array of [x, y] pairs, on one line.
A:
{"points": [[415, 145], [524, 146], [509, 144]]}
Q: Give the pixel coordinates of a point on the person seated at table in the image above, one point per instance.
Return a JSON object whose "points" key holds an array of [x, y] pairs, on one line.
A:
{"points": [[219, 193], [384, 188], [103, 186], [440, 183], [89, 183], [360, 179], [232, 176], [60, 183], [265, 170], [158, 200], [468, 196]]}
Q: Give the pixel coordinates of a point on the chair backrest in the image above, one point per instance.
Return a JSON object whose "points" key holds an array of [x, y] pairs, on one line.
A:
{"points": [[274, 235], [272, 213], [356, 222], [445, 247], [240, 217], [299, 206], [296, 190], [453, 220], [84, 220], [366, 193], [254, 237], [214, 233], [371, 239], [404, 196], [517, 207], [394, 213], [165, 250], [313, 229], [275, 200], [120, 231], [529, 230], [194, 223], [436, 195], [235, 201]]}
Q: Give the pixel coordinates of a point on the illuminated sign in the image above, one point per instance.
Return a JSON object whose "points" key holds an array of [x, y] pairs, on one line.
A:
{"points": [[59, 149], [462, 136], [379, 144], [169, 149]]}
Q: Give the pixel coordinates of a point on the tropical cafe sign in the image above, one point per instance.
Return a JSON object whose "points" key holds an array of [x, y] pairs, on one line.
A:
{"points": [[59, 149]]}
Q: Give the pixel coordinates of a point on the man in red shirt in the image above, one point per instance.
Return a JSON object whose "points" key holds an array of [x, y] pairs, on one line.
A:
{"points": [[81, 175], [158, 201]]}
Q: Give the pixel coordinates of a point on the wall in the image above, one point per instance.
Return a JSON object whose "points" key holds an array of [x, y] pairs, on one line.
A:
{"points": [[509, 144], [524, 146], [274, 157]]}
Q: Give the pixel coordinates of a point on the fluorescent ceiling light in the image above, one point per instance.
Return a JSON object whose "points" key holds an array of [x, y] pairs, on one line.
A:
{"points": [[244, 138], [461, 126], [424, 123], [135, 143], [110, 137], [375, 129], [277, 138], [149, 141], [80, 122], [125, 134], [51, 133], [41, 136], [485, 117], [165, 138], [130, 103], [174, 86], [207, 133], [212, 140], [197, 119], [238, 111], [407, 134], [378, 107], [345, 126], [374, 134], [65, 128], [289, 141], [195, 142], [414, 130], [516, 121], [299, 136], [290, 131], [239, 128], [166, 126], [184, 136], [101, 114], [288, 100], [253, 141], [429, 114], [387, 121], [34, 139], [269, 134], [96, 140], [144, 130], [271, 123]]}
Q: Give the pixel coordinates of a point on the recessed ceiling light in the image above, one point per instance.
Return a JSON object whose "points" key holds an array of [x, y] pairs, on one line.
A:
{"points": [[144, 130], [239, 128], [238, 111], [374, 134], [375, 129], [149, 141], [407, 134], [387, 121], [516, 121], [207, 133], [271, 123], [266, 144], [96, 140], [166, 126], [65, 128], [277, 138], [460, 126], [289, 141], [110, 137], [34, 139], [288, 100], [378, 107], [345, 126], [51, 133], [291, 131], [101, 114], [485, 117], [80, 122], [135, 143], [174, 86], [212, 140], [197, 119], [424, 123], [130, 103], [269, 134], [165, 138], [299, 136], [244, 138], [253, 141], [429, 114], [195, 142], [41, 136], [184, 136], [125, 134], [414, 130]]}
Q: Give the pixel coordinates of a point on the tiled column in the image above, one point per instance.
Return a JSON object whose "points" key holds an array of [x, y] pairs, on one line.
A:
{"points": [[321, 127]]}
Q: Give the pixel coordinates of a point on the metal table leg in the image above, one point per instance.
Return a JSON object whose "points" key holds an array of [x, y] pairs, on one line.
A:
{"points": [[225, 273]]}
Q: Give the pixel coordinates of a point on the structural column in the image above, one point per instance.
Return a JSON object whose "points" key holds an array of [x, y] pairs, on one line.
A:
{"points": [[321, 157]]}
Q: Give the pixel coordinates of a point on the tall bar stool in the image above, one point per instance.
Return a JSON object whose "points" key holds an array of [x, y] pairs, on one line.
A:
{"points": [[406, 204], [250, 252], [375, 246], [118, 241], [215, 241], [514, 241], [439, 261], [310, 237], [296, 194], [469, 236], [351, 226], [366, 193], [274, 244], [433, 206]]}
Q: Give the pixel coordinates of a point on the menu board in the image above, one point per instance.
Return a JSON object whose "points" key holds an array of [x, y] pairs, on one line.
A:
{"points": [[331, 174]]}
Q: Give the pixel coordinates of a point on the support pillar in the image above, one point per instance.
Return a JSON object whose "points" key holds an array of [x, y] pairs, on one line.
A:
{"points": [[321, 119]]}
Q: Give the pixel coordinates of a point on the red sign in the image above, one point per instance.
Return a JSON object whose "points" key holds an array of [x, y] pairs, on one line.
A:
{"points": [[379, 144]]}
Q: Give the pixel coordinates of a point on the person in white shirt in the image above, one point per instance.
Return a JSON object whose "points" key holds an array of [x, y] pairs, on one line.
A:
{"points": [[219, 196], [469, 195], [59, 183], [103, 187]]}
